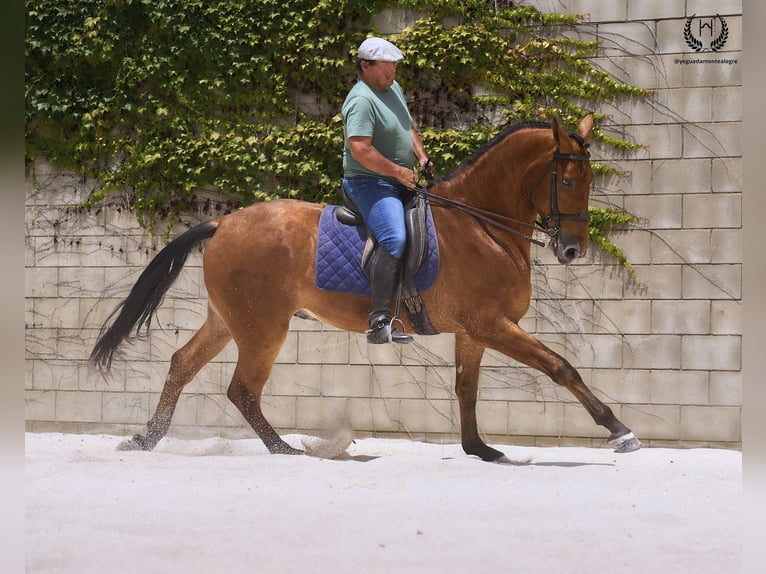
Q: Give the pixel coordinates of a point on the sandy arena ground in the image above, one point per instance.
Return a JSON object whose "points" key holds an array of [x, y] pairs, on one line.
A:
{"points": [[392, 506]]}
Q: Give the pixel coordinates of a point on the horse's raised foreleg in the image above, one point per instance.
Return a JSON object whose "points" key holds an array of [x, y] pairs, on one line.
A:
{"points": [[184, 365], [468, 356], [526, 349]]}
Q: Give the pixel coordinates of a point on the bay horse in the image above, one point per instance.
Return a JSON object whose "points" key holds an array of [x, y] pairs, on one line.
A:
{"points": [[259, 272]]}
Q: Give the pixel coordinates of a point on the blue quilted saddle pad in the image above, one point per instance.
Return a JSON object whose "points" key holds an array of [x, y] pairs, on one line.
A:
{"points": [[339, 256]]}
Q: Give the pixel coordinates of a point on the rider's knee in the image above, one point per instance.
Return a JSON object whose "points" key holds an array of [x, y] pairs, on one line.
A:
{"points": [[396, 244]]}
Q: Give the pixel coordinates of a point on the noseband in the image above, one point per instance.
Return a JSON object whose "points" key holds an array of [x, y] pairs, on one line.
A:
{"points": [[555, 217]]}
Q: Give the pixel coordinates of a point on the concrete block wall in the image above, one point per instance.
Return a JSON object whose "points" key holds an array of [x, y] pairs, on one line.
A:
{"points": [[665, 354]]}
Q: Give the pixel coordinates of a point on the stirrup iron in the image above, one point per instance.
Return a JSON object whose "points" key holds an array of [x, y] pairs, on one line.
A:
{"points": [[382, 331]]}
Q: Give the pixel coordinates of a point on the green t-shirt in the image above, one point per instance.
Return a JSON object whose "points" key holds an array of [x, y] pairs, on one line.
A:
{"points": [[385, 117]]}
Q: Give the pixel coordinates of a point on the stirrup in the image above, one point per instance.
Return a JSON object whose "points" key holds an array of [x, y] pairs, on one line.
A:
{"points": [[382, 331]]}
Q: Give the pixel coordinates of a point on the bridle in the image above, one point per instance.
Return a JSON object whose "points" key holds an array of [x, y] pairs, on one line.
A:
{"points": [[550, 224], [555, 217]]}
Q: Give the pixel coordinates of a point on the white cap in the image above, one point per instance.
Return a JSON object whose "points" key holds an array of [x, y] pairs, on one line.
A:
{"points": [[380, 50]]}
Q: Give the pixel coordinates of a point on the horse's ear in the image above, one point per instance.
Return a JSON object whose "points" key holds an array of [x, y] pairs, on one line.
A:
{"points": [[559, 134], [586, 127]]}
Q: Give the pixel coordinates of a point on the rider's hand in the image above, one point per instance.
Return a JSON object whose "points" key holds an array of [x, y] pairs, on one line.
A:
{"points": [[427, 168], [407, 178]]}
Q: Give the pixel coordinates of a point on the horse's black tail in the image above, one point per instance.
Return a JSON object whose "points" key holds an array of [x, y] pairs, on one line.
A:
{"points": [[147, 294]]}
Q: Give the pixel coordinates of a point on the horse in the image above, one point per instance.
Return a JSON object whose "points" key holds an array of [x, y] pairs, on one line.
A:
{"points": [[259, 272]]}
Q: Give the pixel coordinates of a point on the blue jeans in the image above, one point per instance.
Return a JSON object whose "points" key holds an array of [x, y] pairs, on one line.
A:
{"points": [[380, 203]]}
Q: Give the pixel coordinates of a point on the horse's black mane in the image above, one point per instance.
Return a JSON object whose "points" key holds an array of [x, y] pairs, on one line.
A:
{"points": [[473, 158]]}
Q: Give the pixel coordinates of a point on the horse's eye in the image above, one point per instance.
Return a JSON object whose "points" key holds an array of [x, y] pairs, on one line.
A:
{"points": [[567, 182]]}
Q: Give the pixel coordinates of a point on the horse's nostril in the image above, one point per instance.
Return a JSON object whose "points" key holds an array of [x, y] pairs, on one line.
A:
{"points": [[572, 253]]}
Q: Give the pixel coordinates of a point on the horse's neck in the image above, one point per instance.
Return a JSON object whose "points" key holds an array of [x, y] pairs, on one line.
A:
{"points": [[498, 180], [499, 183]]}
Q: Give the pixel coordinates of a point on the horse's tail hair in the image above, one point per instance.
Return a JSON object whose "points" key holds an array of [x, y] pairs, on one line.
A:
{"points": [[145, 297]]}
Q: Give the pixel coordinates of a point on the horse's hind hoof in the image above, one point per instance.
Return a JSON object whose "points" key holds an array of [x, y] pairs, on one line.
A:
{"points": [[138, 442], [283, 448], [625, 443]]}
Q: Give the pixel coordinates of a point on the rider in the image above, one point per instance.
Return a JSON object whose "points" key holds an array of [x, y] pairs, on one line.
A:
{"points": [[380, 146]]}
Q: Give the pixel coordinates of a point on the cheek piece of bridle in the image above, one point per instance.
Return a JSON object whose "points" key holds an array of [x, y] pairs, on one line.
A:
{"points": [[550, 224]]}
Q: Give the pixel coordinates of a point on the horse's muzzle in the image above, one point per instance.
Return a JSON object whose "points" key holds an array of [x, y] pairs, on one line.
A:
{"points": [[568, 252]]}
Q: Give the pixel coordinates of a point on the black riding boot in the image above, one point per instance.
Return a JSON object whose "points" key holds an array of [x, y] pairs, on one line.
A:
{"points": [[384, 275]]}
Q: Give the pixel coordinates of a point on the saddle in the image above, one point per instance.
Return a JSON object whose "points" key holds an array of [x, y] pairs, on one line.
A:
{"points": [[415, 253]]}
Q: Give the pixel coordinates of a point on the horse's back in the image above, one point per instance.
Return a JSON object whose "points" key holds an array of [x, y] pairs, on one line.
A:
{"points": [[280, 218]]}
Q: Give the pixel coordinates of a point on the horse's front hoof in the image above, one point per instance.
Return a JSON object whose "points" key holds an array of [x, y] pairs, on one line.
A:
{"points": [[505, 460], [483, 451], [625, 443], [138, 442]]}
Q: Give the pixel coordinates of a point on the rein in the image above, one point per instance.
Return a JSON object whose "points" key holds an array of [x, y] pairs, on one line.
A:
{"points": [[500, 221], [483, 215]]}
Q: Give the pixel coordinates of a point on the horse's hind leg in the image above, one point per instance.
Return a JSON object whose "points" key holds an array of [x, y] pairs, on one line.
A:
{"points": [[185, 364], [256, 356]]}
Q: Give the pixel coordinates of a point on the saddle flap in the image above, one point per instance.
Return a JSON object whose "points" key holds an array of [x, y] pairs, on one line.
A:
{"points": [[417, 235]]}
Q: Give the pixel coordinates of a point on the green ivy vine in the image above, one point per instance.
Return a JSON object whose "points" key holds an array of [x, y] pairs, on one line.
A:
{"points": [[600, 222], [159, 99]]}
